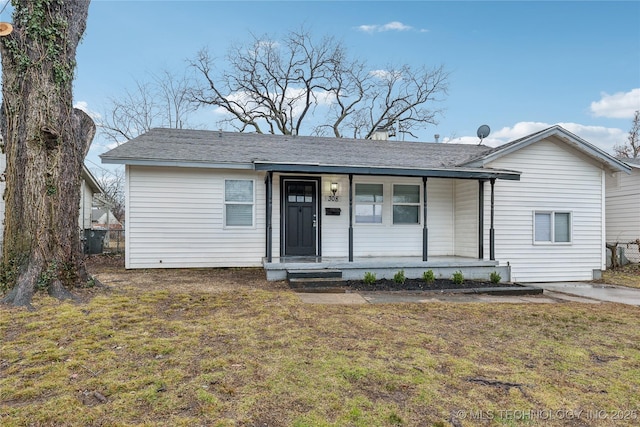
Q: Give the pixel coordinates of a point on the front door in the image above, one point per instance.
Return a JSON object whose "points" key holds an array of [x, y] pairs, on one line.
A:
{"points": [[300, 220]]}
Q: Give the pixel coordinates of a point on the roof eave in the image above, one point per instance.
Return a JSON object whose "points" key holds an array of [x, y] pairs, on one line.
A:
{"points": [[173, 163], [460, 173], [91, 180]]}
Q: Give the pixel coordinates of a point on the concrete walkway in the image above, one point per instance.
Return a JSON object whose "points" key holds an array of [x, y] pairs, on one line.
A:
{"points": [[596, 291], [430, 297], [583, 292]]}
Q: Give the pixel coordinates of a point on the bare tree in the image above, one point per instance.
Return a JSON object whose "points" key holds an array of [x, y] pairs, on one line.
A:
{"points": [[164, 101], [631, 149], [112, 184], [45, 141], [276, 86]]}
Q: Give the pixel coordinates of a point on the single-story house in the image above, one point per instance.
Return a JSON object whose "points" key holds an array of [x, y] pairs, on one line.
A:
{"points": [[623, 210], [103, 218], [533, 209]]}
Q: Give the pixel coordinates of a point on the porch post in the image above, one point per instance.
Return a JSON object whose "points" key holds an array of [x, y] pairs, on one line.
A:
{"points": [[269, 241], [492, 237], [350, 217], [425, 230], [481, 219]]}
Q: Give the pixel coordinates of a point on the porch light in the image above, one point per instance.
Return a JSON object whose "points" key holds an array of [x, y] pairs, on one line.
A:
{"points": [[334, 188]]}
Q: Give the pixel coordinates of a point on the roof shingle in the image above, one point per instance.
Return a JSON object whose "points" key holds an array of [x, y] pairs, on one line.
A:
{"points": [[213, 147]]}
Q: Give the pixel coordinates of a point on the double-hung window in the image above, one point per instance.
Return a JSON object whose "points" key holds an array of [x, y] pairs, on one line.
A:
{"points": [[552, 227], [369, 199], [238, 202], [406, 204]]}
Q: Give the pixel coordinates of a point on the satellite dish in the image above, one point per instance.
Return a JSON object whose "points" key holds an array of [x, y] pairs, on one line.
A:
{"points": [[483, 132]]}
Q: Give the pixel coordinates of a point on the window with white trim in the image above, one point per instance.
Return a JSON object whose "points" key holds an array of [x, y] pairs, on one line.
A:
{"points": [[369, 199], [238, 202], [406, 204], [552, 227]]}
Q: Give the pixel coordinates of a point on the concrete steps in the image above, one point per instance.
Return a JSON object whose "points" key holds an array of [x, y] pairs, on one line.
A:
{"points": [[316, 280]]}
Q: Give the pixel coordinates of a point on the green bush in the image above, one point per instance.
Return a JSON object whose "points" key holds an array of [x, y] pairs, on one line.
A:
{"points": [[369, 278], [495, 277], [399, 277], [428, 276], [458, 277]]}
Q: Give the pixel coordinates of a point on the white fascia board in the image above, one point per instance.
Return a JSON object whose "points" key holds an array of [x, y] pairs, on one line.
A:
{"points": [[176, 163]]}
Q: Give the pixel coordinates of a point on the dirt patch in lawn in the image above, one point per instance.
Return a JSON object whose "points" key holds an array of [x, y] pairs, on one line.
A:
{"points": [[109, 270]]}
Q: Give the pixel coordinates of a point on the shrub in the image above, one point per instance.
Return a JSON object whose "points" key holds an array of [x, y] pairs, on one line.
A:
{"points": [[399, 277], [428, 276], [495, 277], [458, 278], [369, 278]]}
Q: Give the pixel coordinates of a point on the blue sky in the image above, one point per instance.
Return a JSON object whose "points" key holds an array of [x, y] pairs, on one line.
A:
{"points": [[515, 66]]}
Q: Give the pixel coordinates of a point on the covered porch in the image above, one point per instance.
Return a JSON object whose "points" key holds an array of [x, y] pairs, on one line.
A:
{"points": [[458, 205], [281, 268]]}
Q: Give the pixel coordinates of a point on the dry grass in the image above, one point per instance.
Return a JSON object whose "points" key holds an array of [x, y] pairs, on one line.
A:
{"points": [[227, 348], [628, 275]]}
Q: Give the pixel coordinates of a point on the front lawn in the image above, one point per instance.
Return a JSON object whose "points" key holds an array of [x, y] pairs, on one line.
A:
{"points": [[628, 275], [225, 347]]}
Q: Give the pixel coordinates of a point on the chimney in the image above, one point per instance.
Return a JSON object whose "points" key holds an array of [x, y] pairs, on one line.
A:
{"points": [[380, 134]]}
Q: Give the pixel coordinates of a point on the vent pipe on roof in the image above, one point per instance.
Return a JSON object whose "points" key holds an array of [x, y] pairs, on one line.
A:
{"points": [[436, 137]]}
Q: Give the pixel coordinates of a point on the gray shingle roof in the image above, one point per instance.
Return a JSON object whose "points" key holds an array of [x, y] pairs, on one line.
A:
{"points": [[559, 133], [212, 147], [634, 162]]}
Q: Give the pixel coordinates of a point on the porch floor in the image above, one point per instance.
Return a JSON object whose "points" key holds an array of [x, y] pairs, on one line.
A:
{"points": [[386, 267]]}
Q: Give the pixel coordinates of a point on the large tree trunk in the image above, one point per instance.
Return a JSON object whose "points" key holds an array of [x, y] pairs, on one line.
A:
{"points": [[45, 141]]}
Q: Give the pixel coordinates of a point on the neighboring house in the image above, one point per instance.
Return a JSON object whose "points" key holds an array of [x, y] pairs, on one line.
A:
{"points": [[89, 188], [221, 199], [623, 210], [104, 218]]}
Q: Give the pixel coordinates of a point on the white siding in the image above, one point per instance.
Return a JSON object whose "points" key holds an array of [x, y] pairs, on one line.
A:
{"points": [[335, 228], [175, 219], [440, 216], [466, 217], [387, 239], [623, 206], [554, 178], [86, 202]]}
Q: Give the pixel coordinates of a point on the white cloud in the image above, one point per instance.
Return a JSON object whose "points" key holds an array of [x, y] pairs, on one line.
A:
{"points": [[389, 26], [395, 26], [84, 106], [386, 74], [600, 136], [322, 98], [620, 105]]}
